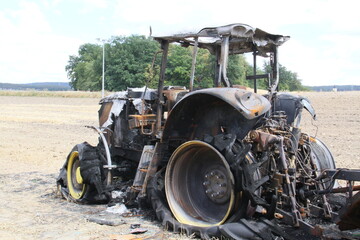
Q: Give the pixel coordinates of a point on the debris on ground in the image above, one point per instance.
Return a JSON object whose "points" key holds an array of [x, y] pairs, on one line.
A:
{"points": [[157, 236], [109, 220], [118, 209]]}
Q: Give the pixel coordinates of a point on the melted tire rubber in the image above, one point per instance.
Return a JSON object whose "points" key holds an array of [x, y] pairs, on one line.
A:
{"points": [[92, 173], [241, 230], [236, 227], [158, 201]]}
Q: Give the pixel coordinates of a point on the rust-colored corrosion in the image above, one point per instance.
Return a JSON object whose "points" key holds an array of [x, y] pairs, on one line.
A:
{"points": [[350, 215]]}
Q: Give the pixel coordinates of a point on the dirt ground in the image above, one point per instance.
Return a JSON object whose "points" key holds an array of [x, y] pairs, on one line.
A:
{"points": [[36, 134]]}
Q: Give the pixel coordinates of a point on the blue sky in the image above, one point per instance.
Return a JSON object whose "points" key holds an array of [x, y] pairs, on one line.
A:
{"points": [[38, 36]]}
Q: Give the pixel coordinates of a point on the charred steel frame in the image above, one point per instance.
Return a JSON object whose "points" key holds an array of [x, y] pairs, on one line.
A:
{"points": [[222, 42]]}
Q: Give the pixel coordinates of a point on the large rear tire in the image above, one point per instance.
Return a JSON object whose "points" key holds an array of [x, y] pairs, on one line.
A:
{"points": [[178, 192], [199, 185], [323, 158]]}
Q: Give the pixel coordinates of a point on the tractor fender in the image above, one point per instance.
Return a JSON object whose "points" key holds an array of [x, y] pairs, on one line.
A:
{"points": [[213, 111], [293, 105]]}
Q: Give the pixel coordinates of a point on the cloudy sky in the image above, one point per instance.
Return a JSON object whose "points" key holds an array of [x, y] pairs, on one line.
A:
{"points": [[38, 36]]}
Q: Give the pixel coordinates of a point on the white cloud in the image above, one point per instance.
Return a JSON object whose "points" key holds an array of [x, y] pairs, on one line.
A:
{"points": [[31, 52], [89, 6], [333, 62], [323, 48], [29, 18], [96, 3]]}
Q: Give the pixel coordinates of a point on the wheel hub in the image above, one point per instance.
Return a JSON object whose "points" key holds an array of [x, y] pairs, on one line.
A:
{"points": [[199, 185], [216, 187], [79, 178]]}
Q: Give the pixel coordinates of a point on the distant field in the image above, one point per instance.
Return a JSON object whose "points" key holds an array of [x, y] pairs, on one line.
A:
{"points": [[61, 94]]}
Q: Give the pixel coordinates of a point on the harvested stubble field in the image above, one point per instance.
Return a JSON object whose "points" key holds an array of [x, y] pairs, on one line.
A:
{"points": [[38, 132]]}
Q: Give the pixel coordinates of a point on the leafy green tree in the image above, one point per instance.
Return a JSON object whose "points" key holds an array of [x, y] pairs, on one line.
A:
{"points": [[72, 72], [178, 66], [85, 70], [128, 61], [204, 72], [178, 70], [288, 80], [238, 69]]}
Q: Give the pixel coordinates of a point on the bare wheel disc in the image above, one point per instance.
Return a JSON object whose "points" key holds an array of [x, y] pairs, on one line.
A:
{"points": [[74, 179], [199, 185]]}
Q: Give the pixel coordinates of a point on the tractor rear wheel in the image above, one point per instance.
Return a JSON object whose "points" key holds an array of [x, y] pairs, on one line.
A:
{"points": [[323, 158], [199, 185]]}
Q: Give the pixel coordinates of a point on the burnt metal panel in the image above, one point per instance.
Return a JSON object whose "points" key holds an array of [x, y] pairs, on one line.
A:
{"points": [[214, 111], [243, 38], [343, 174], [250, 105]]}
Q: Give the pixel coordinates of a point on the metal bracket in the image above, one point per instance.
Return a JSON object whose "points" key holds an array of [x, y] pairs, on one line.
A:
{"points": [[109, 165]]}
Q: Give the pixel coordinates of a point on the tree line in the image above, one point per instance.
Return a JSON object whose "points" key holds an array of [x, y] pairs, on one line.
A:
{"points": [[132, 62]]}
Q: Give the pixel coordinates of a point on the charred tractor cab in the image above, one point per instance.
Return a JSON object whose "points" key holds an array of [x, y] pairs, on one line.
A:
{"points": [[220, 161]]}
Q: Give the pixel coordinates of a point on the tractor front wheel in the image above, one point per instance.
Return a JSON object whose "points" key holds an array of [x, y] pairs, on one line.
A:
{"points": [[81, 178], [77, 187]]}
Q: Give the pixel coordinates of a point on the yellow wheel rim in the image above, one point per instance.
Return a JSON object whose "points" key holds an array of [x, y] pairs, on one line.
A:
{"points": [[74, 179]]}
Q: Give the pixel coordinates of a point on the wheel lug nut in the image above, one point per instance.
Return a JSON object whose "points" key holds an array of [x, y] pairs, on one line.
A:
{"points": [[212, 173], [206, 183], [209, 191]]}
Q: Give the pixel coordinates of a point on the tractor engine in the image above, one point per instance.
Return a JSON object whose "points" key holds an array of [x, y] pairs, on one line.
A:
{"points": [[290, 162]]}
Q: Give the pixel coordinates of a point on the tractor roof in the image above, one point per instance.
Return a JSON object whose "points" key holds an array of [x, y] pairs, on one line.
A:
{"points": [[243, 39]]}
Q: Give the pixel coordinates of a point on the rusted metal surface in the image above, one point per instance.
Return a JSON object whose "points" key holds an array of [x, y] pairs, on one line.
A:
{"points": [[160, 100], [199, 179], [145, 122], [343, 174], [104, 113], [249, 104], [350, 214], [210, 38], [172, 95], [153, 167], [210, 112], [192, 75], [146, 157], [233, 39], [109, 166]]}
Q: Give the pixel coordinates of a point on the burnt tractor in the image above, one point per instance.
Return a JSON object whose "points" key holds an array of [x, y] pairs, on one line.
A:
{"points": [[219, 161]]}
